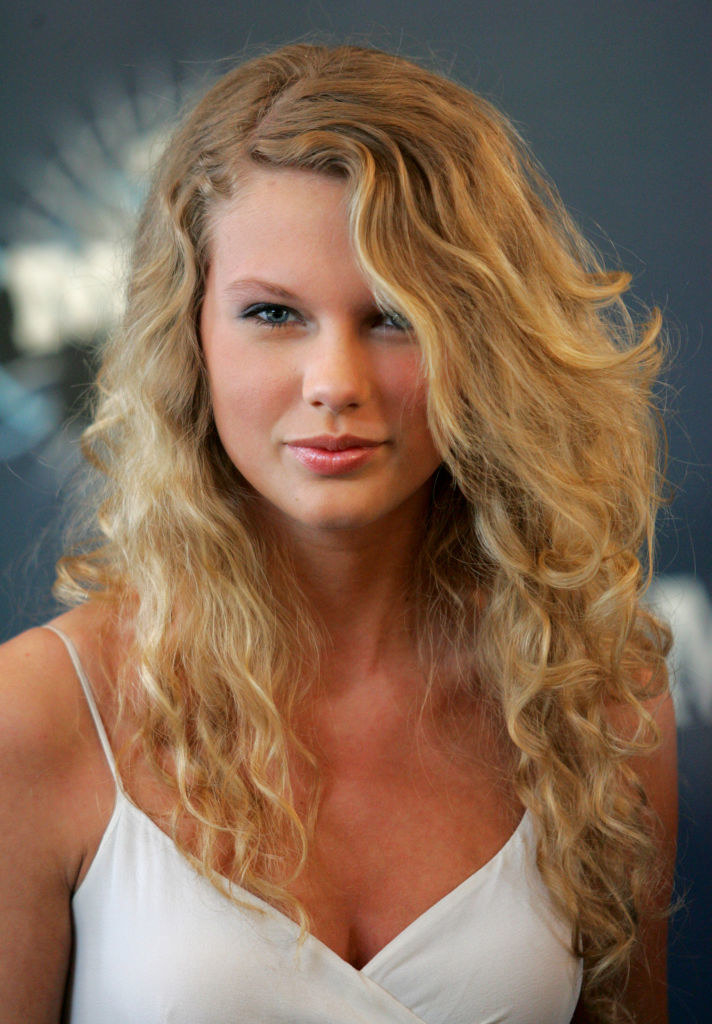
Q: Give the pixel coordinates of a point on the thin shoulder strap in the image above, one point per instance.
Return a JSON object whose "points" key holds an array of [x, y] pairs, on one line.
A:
{"points": [[86, 687]]}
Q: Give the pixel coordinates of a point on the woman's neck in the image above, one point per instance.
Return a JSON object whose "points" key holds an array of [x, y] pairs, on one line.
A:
{"points": [[359, 584]]}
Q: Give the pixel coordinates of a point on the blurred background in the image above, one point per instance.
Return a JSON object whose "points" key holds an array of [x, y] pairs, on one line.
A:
{"points": [[613, 96]]}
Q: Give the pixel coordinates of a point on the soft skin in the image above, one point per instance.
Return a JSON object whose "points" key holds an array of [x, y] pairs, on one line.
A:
{"points": [[333, 364]]}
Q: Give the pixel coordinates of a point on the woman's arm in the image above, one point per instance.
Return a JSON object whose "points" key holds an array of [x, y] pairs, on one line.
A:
{"points": [[38, 725], [646, 993]]}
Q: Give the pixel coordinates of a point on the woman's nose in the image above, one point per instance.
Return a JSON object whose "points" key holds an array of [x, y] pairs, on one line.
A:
{"points": [[336, 374]]}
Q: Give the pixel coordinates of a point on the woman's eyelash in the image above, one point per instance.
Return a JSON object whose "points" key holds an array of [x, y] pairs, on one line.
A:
{"points": [[398, 320], [254, 313], [288, 315]]}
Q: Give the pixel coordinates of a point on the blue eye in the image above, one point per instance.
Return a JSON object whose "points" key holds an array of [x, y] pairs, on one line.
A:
{"points": [[271, 314], [397, 320]]}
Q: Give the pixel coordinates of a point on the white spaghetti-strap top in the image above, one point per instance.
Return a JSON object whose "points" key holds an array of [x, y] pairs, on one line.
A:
{"points": [[156, 943]]}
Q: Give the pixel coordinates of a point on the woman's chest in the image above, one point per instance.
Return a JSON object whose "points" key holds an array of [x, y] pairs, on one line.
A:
{"points": [[390, 844], [403, 819]]}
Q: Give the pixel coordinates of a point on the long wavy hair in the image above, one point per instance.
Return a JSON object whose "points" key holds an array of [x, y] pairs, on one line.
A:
{"points": [[541, 403]]}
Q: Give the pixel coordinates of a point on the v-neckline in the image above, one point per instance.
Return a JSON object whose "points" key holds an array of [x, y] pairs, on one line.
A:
{"points": [[451, 896]]}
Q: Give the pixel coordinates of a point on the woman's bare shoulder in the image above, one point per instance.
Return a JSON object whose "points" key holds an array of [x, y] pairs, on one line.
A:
{"points": [[47, 736], [37, 694], [50, 757], [38, 682], [657, 769]]}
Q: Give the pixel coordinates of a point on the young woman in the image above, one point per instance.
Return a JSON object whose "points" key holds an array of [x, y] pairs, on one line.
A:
{"points": [[357, 716]]}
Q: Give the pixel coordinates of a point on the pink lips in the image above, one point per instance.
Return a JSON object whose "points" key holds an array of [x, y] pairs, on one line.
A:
{"points": [[329, 455]]}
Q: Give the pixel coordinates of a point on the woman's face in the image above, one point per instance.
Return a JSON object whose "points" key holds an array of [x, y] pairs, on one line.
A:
{"points": [[318, 396]]}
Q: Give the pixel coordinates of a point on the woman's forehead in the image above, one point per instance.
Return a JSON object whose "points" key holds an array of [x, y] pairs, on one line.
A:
{"points": [[288, 230], [267, 197]]}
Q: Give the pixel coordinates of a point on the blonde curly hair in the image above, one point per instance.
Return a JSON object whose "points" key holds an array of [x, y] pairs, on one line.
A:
{"points": [[541, 405]]}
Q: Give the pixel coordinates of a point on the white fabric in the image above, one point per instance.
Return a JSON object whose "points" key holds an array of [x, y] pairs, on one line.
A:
{"points": [[156, 943]]}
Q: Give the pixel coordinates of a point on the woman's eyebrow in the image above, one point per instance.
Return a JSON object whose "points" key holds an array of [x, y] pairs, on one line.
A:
{"points": [[240, 286], [245, 284]]}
